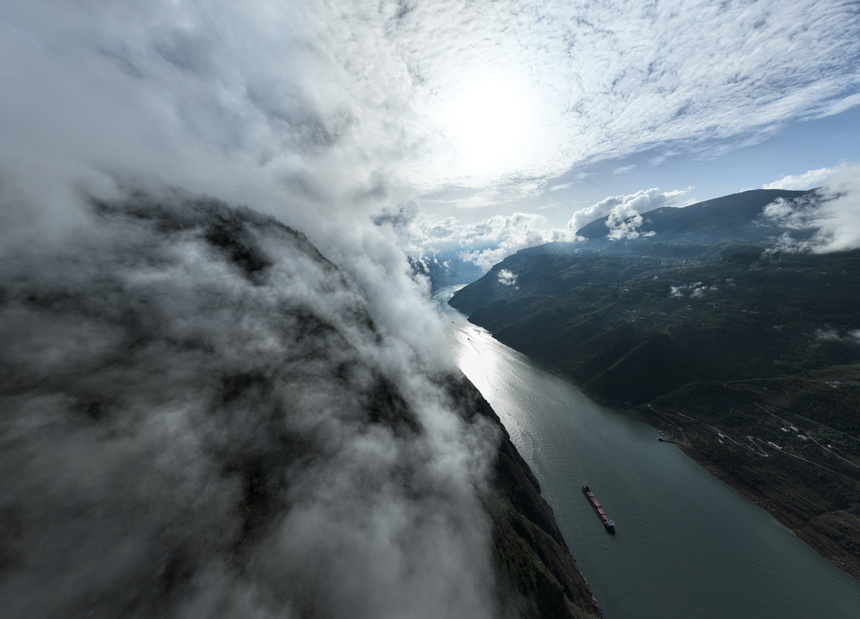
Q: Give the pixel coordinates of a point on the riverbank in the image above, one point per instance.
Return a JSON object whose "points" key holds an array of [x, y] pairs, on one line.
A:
{"points": [[831, 529], [751, 436], [684, 538], [810, 489], [819, 542], [731, 347], [531, 558]]}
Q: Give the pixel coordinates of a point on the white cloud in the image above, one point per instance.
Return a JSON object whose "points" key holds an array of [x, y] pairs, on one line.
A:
{"points": [[192, 426], [313, 93], [696, 290], [695, 72], [852, 336], [481, 244], [801, 181], [490, 241], [827, 335], [324, 113], [269, 104], [623, 210], [507, 278], [833, 212], [624, 222]]}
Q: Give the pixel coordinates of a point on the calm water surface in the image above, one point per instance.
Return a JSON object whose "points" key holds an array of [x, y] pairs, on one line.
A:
{"points": [[687, 545]]}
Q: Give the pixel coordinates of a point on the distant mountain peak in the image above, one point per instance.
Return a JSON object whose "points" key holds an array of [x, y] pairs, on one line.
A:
{"points": [[732, 218]]}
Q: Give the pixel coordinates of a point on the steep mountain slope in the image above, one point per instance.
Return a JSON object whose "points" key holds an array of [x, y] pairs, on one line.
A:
{"points": [[666, 236], [747, 357], [635, 329], [548, 270], [200, 418], [730, 219]]}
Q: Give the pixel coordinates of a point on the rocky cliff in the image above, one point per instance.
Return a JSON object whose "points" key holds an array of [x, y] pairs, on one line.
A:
{"points": [[531, 558], [201, 418]]}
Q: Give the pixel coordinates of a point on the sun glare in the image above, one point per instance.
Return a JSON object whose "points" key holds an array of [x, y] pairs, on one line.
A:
{"points": [[489, 127]]}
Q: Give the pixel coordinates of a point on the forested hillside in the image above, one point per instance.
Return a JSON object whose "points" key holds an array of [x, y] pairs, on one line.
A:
{"points": [[748, 357]]}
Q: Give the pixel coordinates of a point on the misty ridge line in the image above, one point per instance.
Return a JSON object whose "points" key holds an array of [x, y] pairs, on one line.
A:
{"points": [[200, 419], [821, 220]]}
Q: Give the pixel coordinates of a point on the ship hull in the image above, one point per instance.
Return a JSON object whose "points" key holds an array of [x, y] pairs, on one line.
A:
{"points": [[598, 508]]}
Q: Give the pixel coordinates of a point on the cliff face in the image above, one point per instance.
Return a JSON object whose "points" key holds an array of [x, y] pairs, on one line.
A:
{"points": [[200, 418], [532, 560]]}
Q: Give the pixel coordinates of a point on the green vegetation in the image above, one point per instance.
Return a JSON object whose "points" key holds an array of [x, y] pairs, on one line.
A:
{"points": [[749, 359], [631, 329], [790, 444]]}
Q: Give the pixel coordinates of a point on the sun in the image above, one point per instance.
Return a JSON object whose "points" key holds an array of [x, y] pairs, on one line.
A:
{"points": [[488, 126]]}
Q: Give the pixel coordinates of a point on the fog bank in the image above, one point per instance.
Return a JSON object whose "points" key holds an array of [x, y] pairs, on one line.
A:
{"points": [[200, 418]]}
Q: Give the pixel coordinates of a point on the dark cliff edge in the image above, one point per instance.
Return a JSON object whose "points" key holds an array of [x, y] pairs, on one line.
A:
{"points": [[196, 423], [530, 555]]}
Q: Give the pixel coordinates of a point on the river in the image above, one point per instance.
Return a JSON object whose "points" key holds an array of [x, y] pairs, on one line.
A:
{"points": [[687, 545]]}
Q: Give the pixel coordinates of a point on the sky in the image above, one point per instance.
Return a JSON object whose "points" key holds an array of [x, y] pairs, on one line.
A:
{"points": [[469, 111], [382, 130]]}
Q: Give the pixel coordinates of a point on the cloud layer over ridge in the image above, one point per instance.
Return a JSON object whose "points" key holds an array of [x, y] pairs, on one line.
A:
{"points": [[832, 213], [200, 419]]}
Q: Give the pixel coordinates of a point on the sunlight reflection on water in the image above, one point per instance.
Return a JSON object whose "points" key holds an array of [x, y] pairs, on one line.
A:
{"points": [[687, 545]]}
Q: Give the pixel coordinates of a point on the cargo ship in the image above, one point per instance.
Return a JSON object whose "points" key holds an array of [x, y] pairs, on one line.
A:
{"points": [[607, 522]]}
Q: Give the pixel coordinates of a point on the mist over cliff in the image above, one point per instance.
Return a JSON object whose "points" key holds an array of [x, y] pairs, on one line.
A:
{"points": [[201, 418], [201, 415]]}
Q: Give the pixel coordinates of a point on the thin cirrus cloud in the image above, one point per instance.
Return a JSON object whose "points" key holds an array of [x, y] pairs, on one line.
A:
{"points": [[325, 114], [496, 96], [612, 79]]}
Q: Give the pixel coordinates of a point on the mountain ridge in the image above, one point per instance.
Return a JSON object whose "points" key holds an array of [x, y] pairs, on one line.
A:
{"points": [[735, 218], [197, 423], [661, 333]]}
